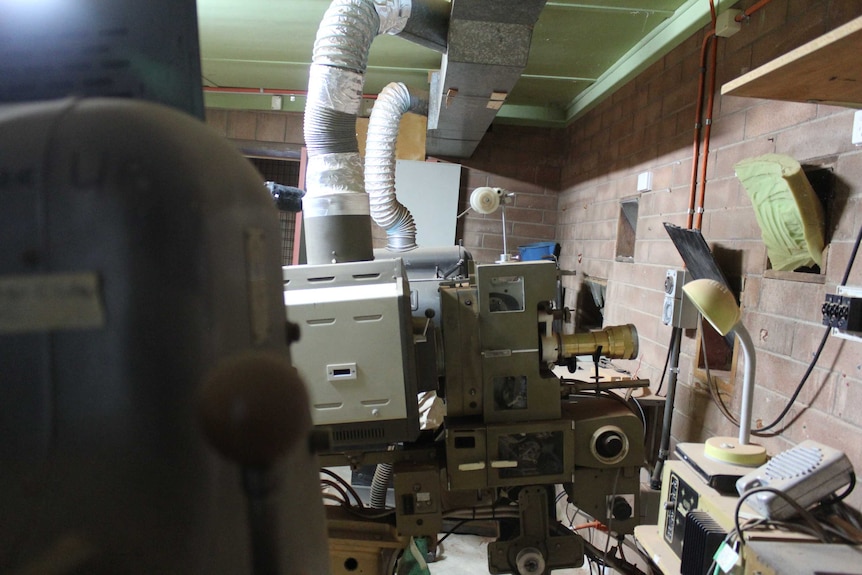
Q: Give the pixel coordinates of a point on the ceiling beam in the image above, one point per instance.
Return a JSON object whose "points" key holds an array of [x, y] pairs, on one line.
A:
{"points": [[689, 18], [544, 116], [307, 64], [604, 8]]}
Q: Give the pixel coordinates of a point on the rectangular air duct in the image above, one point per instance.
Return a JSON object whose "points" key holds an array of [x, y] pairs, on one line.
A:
{"points": [[488, 46]]}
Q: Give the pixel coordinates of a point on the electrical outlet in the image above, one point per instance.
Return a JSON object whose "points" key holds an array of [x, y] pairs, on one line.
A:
{"points": [[856, 137], [677, 309]]}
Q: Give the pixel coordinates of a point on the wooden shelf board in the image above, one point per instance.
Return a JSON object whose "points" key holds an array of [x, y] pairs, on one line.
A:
{"points": [[827, 69]]}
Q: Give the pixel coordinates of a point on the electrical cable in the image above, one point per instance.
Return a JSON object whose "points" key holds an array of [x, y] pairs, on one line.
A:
{"points": [[344, 497], [333, 497], [804, 513], [367, 513], [766, 430], [714, 391], [666, 363], [817, 353], [344, 484], [842, 496], [454, 529], [611, 517]]}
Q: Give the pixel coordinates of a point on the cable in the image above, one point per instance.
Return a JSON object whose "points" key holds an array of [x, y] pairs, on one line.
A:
{"points": [[328, 483], [817, 353], [344, 484], [367, 513], [454, 529], [714, 392], [610, 519], [841, 497], [766, 431], [666, 363], [333, 497], [804, 513]]}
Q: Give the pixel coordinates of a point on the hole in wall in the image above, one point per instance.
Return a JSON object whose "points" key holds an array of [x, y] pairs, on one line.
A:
{"points": [[284, 172], [822, 178], [590, 304], [627, 226]]}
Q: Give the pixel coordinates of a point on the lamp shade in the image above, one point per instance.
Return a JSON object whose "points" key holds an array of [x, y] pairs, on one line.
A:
{"points": [[715, 302]]}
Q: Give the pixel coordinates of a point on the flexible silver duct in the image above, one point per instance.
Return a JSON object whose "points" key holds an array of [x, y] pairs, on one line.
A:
{"points": [[336, 209], [394, 101]]}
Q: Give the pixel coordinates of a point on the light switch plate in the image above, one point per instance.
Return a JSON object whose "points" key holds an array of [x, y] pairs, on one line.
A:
{"points": [[856, 138], [645, 181]]}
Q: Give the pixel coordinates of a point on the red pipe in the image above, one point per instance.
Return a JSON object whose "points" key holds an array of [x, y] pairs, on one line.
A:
{"points": [[698, 116], [267, 91], [698, 218], [695, 202], [751, 10]]}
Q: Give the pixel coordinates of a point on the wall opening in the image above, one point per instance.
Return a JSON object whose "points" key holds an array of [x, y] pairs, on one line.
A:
{"points": [[822, 180], [590, 306], [284, 172], [627, 227]]}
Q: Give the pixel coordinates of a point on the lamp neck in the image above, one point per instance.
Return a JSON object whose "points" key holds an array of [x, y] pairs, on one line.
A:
{"points": [[747, 382]]}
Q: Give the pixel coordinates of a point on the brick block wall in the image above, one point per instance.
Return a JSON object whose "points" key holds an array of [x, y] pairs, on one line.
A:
{"points": [[524, 160], [648, 126], [520, 159]]}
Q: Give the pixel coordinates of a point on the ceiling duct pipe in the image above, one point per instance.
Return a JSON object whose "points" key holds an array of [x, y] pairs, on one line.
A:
{"points": [[395, 100], [488, 46], [336, 209]]}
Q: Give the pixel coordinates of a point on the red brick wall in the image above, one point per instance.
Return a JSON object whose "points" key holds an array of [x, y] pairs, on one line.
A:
{"points": [[523, 160], [520, 159], [569, 184], [648, 126]]}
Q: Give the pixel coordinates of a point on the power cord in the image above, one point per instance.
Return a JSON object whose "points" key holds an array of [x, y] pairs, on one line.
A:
{"points": [[766, 431]]}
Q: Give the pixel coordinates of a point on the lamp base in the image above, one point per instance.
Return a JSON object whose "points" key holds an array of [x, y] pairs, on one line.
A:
{"points": [[729, 450], [719, 475]]}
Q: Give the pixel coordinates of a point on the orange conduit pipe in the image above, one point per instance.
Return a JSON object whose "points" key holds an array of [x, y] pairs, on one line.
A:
{"points": [[751, 10], [710, 43], [698, 118], [591, 525], [698, 216]]}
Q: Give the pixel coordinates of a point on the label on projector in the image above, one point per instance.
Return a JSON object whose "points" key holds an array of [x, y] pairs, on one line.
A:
{"points": [[47, 302]]}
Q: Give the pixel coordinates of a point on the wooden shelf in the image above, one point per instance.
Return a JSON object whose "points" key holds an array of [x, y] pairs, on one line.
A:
{"points": [[827, 69]]}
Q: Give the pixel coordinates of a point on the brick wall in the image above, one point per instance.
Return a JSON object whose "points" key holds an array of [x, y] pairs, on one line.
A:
{"points": [[524, 160], [648, 126], [264, 134], [569, 185]]}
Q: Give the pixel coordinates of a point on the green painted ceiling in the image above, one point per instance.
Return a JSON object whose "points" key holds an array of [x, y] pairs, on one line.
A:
{"points": [[581, 52]]}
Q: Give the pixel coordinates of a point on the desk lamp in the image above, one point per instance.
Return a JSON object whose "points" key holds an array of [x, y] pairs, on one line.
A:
{"points": [[715, 302], [485, 200]]}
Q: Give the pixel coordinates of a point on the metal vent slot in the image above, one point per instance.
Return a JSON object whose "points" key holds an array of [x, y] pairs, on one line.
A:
{"points": [[358, 434], [793, 463], [702, 538], [366, 318], [321, 279]]}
